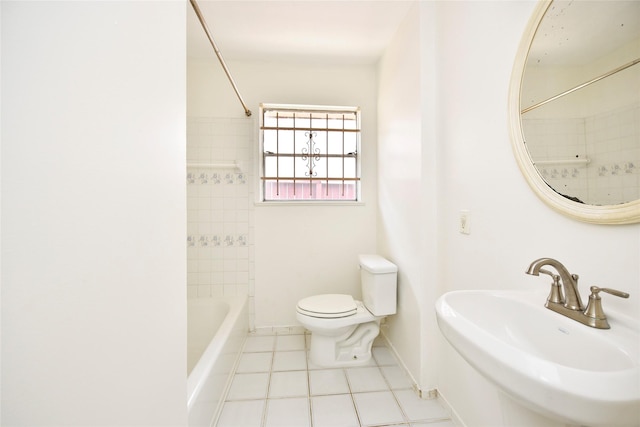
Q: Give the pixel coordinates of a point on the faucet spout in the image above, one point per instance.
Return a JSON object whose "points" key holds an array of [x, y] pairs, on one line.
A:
{"points": [[573, 301]]}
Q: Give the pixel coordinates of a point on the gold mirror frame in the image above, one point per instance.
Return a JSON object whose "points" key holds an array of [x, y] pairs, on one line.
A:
{"points": [[625, 213]]}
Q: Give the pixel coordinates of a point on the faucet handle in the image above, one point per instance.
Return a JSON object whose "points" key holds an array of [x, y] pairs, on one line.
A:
{"points": [[595, 290], [594, 306], [555, 296]]}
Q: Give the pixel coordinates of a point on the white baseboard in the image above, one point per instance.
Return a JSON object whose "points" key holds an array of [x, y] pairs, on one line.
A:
{"points": [[424, 394], [454, 415]]}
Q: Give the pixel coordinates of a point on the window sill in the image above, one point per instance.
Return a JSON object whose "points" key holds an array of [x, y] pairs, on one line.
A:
{"points": [[308, 203]]}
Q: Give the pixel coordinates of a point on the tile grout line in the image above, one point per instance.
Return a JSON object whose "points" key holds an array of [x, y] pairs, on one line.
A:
{"points": [[265, 413], [395, 398], [353, 400], [306, 363]]}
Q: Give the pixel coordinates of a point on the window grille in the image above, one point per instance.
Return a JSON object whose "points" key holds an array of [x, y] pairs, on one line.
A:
{"points": [[310, 153]]}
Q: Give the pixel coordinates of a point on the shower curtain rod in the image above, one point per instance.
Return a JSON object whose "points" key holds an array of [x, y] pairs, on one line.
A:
{"points": [[219, 55], [585, 84]]}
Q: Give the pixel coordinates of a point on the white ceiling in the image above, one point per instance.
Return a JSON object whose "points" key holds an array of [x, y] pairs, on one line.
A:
{"points": [[358, 31], [355, 31]]}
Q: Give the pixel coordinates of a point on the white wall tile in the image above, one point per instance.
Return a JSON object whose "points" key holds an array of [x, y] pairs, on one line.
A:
{"points": [[219, 211], [610, 142]]}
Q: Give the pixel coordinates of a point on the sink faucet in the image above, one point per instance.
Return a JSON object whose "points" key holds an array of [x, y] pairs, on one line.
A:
{"points": [[568, 302], [572, 299]]}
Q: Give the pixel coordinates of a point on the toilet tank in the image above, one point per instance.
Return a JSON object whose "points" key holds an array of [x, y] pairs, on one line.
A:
{"points": [[379, 279]]}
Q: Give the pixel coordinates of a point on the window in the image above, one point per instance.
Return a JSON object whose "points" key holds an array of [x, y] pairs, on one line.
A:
{"points": [[310, 153]]}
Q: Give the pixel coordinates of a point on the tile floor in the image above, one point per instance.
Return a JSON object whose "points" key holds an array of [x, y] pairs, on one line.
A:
{"points": [[275, 385]]}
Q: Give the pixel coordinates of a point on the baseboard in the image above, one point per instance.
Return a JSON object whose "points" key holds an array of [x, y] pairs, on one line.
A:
{"points": [[424, 394], [454, 415]]}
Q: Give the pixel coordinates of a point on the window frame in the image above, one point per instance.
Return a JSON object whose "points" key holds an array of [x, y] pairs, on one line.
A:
{"points": [[357, 155]]}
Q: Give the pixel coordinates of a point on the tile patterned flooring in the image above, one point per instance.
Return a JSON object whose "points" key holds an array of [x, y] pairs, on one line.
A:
{"points": [[276, 385]]}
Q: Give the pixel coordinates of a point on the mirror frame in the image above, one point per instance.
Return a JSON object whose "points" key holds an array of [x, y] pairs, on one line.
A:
{"points": [[624, 213]]}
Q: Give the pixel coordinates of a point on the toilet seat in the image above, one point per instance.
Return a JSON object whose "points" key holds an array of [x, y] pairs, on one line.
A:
{"points": [[328, 306]]}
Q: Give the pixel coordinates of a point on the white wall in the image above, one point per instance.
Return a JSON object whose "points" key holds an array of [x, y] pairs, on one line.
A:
{"points": [[470, 67], [286, 238], [407, 225], [93, 213]]}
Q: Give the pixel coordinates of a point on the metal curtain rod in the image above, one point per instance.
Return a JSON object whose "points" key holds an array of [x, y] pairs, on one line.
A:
{"points": [[605, 75], [219, 55]]}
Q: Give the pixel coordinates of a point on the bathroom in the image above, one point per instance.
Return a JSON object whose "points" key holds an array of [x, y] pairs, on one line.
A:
{"points": [[96, 333]]}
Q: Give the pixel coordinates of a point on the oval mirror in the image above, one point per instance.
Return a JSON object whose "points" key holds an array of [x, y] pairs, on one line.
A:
{"points": [[575, 108]]}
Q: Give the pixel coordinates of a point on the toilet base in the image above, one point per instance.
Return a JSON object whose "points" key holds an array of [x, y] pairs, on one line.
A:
{"points": [[353, 348]]}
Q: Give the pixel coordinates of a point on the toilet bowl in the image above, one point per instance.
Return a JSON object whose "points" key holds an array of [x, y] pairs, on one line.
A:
{"points": [[342, 328], [339, 340]]}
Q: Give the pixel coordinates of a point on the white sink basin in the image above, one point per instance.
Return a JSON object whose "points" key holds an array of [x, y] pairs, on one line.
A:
{"points": [[550, 363]]}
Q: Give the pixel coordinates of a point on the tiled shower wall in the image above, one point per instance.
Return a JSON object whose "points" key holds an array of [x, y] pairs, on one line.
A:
{"points": [[551, 139], [220, 207], [611, 143]]}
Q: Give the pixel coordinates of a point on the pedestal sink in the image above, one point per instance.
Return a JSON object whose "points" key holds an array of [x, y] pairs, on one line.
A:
{"points": [[550, 363]]}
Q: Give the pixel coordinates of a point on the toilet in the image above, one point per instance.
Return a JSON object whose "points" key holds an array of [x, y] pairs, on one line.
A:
{"points": [[343, 329]]}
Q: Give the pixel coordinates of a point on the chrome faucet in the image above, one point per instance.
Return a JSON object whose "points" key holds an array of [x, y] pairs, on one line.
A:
{"points": [[567, 300]]}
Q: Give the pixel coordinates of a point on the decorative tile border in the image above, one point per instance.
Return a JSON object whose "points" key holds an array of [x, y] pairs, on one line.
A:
{"points": [[617, 169], [216, 240], [555, 173], [215, 178]]}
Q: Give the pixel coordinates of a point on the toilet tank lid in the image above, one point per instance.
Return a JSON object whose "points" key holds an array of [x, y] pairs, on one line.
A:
{"points": [[377, 264]]}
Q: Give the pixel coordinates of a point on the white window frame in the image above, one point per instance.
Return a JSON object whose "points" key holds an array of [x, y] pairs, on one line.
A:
{"points": [[356, 154]]}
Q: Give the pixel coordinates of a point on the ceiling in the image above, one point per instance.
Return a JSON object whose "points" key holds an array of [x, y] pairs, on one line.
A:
{"points": [[358, 31], [351, 31]]}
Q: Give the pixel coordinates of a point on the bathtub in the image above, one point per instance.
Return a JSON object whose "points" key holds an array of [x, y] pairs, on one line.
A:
{"points": [[216, 330]]}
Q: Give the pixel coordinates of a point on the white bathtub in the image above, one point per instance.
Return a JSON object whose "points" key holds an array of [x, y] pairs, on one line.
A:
{"points": [[216, 330]]}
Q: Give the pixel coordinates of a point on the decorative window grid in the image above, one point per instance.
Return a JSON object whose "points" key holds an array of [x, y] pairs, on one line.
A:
{"points": [[310, 153]]}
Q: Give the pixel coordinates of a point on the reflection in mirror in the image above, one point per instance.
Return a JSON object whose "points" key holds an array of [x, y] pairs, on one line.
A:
{"points": [[580, 100]]}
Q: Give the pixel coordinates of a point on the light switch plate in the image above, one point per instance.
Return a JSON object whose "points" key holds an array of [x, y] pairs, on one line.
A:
{"points": [[465, 222]]}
